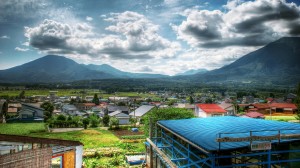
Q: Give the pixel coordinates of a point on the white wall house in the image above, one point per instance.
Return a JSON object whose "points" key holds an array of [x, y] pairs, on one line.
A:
{"points": [[209, 110]]}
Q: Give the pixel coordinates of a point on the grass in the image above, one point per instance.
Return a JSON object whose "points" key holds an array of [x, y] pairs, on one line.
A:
{"points": [[21, 128], [280, 118]]}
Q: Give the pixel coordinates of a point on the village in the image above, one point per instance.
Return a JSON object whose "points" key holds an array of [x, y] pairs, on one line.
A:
{"points": [[124, 117]]}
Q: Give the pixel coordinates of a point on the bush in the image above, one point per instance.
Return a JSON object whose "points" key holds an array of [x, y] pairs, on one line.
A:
{"points": [[61, 117], [105, 120], [113, 123], [85, 123], [94, 121]]}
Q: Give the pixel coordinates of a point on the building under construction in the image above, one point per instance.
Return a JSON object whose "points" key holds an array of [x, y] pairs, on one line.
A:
{"points": [[224, 142], [23, 151]]}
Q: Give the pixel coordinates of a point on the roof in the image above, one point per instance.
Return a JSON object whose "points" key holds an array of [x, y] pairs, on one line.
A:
{"points": [[284, 105], [142, 110], [204, 131], [211, 108], [116, 113], [224, 105], [261, 105], [27, 139], [255, 115], [115, 108], [32, 106]]}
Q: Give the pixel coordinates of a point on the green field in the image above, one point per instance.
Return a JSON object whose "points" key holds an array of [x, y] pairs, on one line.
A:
{"points": [[75, 92], [102, 147], [280, 118]]}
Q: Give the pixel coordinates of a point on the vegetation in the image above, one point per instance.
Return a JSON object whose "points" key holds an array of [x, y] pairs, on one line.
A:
{"points": [[49, 108], [85, 122], [21, 128], [280, 118], [157, 114], [96, 99]]}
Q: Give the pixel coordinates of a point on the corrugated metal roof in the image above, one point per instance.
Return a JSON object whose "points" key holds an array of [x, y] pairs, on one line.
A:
{"points": [[204, 131], [142, 110]]}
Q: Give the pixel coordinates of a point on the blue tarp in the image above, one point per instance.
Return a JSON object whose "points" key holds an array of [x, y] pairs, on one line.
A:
{"points": [[204, 131]]}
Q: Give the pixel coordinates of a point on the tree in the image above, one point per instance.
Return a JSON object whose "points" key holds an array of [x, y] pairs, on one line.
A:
{"points": [[105, 120], [165, 114], [121, 104], [48, 110], [96, 99], [191, 100], [297, 102], [85, 123], [113, 122], [22, 94], [94, 121]]}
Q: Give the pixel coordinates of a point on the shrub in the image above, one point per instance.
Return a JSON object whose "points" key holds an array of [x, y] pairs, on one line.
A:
{"points": [[85, 122]]}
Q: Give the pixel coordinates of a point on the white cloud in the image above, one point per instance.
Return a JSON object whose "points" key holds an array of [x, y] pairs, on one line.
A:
{"points": [[252, 23], [21, 49], [88, 18], [4, 37], [133, 37]]}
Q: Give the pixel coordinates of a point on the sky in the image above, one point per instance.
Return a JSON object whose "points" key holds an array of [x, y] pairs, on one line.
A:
{"points": [[149, 36]]}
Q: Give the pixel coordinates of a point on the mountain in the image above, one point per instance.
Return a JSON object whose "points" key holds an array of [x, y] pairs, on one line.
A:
{"points": [[52, 68], [275, 63], [121, 74], [193, 71]]}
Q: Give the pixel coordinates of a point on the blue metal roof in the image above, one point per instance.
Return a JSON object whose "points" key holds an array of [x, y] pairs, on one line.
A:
{"points": [[204, 131]]}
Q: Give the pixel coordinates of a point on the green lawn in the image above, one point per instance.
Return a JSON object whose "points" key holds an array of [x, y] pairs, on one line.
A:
{"points": [[21, 128]]}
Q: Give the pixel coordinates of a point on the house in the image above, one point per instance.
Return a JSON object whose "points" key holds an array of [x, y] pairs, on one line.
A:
{"points": [[285, 108], [263, 108], [229, 107], [121, 116], [84, 106], [186, 106], [69, 109], [23, 151], [209, 110], [30, 112], [141, 111], [113, 108]]}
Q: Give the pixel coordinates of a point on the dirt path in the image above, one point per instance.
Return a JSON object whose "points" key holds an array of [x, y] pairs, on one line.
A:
{"points": [[65, 129]]}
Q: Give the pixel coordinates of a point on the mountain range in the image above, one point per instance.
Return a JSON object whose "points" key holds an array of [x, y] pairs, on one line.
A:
{"points": [[275, 63]]}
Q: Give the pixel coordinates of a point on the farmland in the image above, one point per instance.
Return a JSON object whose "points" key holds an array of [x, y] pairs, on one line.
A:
{"points": [[102, 147]]}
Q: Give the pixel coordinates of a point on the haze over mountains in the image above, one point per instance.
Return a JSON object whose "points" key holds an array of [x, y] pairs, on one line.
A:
{"points": [[277, 62]]}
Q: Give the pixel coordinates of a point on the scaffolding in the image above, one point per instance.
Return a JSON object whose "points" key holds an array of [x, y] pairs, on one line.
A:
{"points": [[272, 149]]}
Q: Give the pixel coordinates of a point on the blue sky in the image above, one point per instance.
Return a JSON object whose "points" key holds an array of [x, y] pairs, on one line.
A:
{"points": [[152, 36]]}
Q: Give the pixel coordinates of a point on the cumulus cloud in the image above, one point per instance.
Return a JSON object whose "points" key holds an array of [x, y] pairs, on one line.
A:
{"points": [[4, 37], [21, 49], [252, 23], [132, 36], [88, 18]]}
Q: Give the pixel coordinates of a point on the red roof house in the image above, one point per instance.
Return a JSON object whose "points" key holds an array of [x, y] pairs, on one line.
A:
{"points": [[209, 110], [287, 108]]}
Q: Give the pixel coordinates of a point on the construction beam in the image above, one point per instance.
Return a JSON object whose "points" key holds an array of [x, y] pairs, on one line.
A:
{"points": [[164, 156]]}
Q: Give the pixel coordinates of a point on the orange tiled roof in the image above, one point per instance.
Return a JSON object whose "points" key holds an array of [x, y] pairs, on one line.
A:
{"points": [[284, 105], [261, 105], [211, 108]]}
